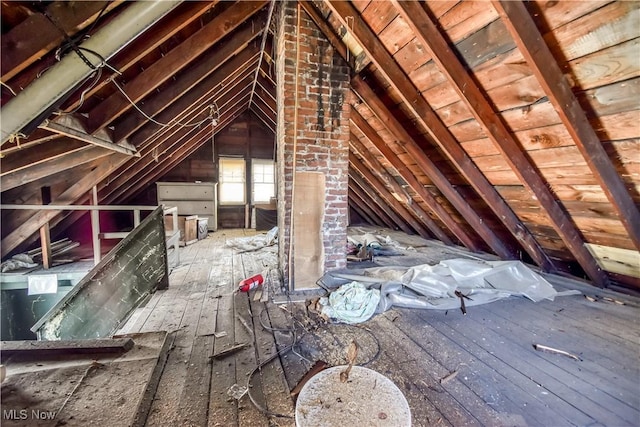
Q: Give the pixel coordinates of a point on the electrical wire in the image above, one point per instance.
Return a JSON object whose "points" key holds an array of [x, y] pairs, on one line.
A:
{"points": [[72, 44], [291, 347], [8, 87]]}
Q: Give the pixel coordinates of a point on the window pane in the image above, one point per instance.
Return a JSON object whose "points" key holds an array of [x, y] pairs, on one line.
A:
{"points": [[263, 180], [232, 181], [232, 193]]}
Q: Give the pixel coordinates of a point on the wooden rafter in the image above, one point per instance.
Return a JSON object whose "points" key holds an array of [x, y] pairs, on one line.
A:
{"points": [[68, 196], [204, 92], [183, 152], [49, 166], [490, 195], [356, 206], [326, 29], [406, 217], [18, 160], [364, 190], [20, 48], [430, 37], [441, 135], [175, 60], [190, 80], [430, 169], [374, 166], [549, 75], [135, 174], [185, 14], [67, 221], [368, 205]]}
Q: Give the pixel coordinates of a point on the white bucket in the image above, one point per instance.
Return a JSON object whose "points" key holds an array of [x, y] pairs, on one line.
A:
{"points": [[367, 398]]}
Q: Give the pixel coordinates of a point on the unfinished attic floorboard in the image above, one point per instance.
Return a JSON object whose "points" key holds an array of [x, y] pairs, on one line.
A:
{"points": [[454, 370]]}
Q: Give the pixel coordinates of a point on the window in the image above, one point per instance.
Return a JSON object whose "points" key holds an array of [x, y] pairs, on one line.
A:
{"points": [[263, 174], [232, 181]]}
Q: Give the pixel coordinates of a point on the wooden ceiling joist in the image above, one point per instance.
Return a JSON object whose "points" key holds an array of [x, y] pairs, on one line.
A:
{"points": [[170, 64], [546, 69], [441, 135], [376, 169], [69, 126], [430, 37]]}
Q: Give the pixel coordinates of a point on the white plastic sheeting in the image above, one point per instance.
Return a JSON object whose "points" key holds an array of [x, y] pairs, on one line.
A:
{"points": [[435, 286]]}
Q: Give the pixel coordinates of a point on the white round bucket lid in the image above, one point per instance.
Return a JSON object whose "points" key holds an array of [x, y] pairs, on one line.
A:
{"points": [[367, 398]]}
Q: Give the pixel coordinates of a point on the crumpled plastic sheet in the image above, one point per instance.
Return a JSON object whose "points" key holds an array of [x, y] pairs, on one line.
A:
{"points": [[352, 303], [381, 245], [434, 286], [17, 262], [254, 243]]}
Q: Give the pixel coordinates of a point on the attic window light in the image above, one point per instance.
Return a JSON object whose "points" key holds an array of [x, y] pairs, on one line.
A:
{"points": [[232, 181]]}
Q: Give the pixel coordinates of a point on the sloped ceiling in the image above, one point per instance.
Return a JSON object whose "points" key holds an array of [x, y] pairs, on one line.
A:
{"points": [[503, 126]]}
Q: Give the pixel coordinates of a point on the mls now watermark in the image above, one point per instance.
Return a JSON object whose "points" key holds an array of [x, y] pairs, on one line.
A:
{"points": [[27, 414]]}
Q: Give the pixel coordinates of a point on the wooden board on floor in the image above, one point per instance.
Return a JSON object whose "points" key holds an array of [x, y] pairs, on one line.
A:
{"points": [[308, 248]]}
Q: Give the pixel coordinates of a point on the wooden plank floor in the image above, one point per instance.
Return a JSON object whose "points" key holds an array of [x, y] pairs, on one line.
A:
{"points": [[501, 380]]}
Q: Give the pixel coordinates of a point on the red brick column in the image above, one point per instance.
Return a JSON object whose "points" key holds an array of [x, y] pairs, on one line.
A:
{"points": [[320, 125]]}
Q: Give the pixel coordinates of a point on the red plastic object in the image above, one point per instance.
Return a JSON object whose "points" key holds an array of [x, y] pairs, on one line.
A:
{"points": [[250, 283]]}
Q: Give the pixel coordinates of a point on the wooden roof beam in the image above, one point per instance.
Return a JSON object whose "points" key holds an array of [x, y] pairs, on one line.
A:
{"points": [[430, 169], [364, 190], [263, 113], [70, 219], [430, 37], [326, 29], [189, 108], [406, 218], [20, 48], [366, 203], [51, 165], [363, 210], [172, 24], [441, 135], [546, 69], [69, 196], [372, 164], [225, 79], [183, 152], [190, 81], [491, 197], [115, 188], [68, 125], [358, 209], [170, 64]]}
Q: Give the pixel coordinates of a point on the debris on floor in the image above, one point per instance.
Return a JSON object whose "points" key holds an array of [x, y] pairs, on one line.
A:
{"points": [[351, 303], [454, 283], [552, 350], [368, 245], [254, 243]]}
